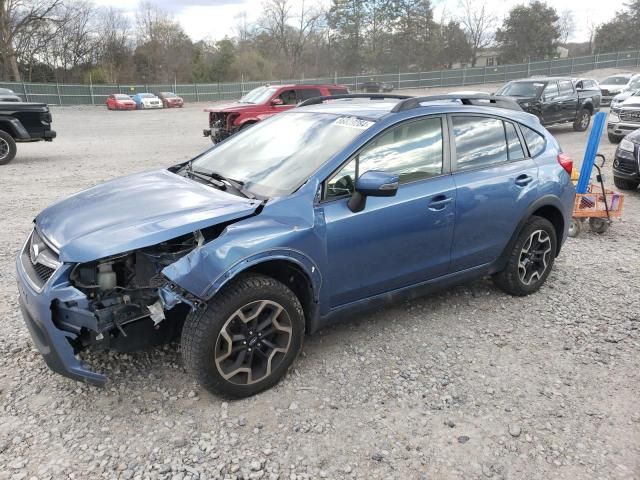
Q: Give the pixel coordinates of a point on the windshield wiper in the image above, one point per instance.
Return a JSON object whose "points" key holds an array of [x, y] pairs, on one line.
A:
{"points": [[222, 181]]}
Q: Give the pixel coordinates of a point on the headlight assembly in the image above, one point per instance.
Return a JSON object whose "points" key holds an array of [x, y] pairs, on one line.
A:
{"points": [[613, 117], [626, 145]]}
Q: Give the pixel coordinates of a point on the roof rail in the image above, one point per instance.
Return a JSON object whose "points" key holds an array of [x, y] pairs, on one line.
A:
{"points": [[370, 96], [479, 100]]}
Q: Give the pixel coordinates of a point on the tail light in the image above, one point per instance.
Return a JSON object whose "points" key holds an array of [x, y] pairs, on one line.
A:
{"points": [[565, 162]]}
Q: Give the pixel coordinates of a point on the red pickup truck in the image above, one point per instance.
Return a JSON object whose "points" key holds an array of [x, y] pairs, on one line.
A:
{"points": [[261, 103]]}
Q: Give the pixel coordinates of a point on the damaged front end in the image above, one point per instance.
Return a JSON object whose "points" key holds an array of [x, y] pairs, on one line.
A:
{"points": [[121, 303], [126, 307], [221, 126]]}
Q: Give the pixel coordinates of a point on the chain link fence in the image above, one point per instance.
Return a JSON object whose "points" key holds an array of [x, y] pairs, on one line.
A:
{"points": [[63, 94]]}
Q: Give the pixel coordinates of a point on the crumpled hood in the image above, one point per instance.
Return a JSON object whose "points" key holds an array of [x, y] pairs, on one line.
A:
{"points": [[232, 107], [134, 212]]}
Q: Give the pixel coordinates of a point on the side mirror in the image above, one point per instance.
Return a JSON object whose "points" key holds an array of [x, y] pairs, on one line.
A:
{"points": [[373, 183], [277, 101]]}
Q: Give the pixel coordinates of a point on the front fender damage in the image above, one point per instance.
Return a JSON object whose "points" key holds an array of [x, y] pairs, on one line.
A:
{"points": [[285, 230]]}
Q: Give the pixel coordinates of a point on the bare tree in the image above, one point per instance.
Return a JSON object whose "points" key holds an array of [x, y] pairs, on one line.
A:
{"points": [[76, 40], [567, 25], [479, 24], [116, 43], [290, 29], [16, 17]]}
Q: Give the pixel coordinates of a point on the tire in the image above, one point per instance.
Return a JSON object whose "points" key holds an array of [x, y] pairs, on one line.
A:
{"points": [[516, 279], [598, 225], [623, 184], [575, 227], [582, 121], [8, 148], [614, 138], [207, 352]]}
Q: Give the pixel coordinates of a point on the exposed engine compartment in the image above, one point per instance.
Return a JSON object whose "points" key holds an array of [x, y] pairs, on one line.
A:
{"points": [[124, 289]]}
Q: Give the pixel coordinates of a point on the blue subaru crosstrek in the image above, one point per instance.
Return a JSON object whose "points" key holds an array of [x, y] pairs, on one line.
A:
{"points": [[308, 217]]}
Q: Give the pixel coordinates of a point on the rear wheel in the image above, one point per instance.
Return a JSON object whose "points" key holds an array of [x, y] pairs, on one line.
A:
{"points": [[8, 148], [598, 225], [530, 260], [624, 184], [614, 138], [246, 338], [582, 120]]}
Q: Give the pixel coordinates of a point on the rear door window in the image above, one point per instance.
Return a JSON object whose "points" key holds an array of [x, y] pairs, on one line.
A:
{"points": [[480, 141], [535, 141], [516, 152], [307, 93]]}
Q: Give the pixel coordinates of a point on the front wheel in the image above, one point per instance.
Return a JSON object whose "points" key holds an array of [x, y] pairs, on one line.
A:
{"points": [[530, 259], [8, 148], [246, 338], [582, 121], [575, 227], [624, 184]]}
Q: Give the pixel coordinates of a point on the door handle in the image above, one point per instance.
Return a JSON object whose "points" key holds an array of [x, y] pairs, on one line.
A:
{"points": [[439, 202], [523, 180]]}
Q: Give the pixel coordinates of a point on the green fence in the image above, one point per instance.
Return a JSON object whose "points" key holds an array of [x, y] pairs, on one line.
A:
{"points": [[63, 94]]}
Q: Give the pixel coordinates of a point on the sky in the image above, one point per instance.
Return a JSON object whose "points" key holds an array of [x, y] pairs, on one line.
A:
{"points": [[213, 19]]}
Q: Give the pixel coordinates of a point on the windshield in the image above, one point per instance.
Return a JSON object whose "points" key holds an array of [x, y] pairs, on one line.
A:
{"points": [[123, 97], [615, 80], [146, 95], [259, 95], [168, 94], [634, 84], [274, 157], [522, 89]]}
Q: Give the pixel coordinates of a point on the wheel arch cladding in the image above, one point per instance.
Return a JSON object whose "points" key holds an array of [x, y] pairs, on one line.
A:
{"points": [[295, 277], [554, 215]]}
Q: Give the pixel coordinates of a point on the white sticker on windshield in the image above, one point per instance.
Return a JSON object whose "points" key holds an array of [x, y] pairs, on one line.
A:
{"points": [[353, 122]]}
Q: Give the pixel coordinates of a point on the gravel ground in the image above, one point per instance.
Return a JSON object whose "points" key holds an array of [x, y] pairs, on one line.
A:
{"points": [[468, 383]]}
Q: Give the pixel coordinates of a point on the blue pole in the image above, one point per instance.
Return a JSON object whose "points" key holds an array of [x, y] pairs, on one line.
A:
{"points": [[590, 153]]}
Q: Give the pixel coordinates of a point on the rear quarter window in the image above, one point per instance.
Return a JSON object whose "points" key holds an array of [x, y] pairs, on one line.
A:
{"points": [[338, 91], [535, 141]]}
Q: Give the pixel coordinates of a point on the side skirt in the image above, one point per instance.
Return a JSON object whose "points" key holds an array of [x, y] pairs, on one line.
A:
{"points": [[411, 292]]}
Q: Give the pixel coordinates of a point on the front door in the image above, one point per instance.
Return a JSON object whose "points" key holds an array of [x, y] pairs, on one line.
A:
{"points": [[395, 241], [551, 104]]}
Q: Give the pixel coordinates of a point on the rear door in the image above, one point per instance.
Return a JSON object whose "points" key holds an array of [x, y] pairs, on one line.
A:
{"points": [[568, 99], [496, 181]]}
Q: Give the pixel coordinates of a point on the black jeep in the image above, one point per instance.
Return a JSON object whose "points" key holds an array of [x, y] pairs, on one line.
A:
{"points": [[22, 122]]}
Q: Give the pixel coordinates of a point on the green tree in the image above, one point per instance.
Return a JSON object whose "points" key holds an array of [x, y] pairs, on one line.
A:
{"points": [[529, 32], [621, 33], [455, 46], [348, 20]]}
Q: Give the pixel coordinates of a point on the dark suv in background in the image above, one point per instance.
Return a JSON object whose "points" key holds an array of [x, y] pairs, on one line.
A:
{"points": [[555, 100]]}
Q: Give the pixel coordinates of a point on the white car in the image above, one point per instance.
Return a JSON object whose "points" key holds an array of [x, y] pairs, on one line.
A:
{"points": [[632, 87], [146, 100], [613, 85]]}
